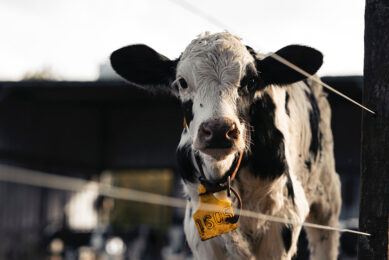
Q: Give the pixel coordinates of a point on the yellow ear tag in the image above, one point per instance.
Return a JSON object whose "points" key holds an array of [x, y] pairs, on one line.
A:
{"points": [[184, 122], [211, 223]]}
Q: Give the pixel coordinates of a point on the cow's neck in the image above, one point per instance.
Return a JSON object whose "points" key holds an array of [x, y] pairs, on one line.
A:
{"points": [[215, 170]]}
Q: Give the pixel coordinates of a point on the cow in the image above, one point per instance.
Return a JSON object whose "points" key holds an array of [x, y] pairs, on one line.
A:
{"points": [[240, 105]]}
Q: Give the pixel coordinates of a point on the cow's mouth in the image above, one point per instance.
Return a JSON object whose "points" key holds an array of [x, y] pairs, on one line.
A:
{"points": [[218, 150], [218, 153]]}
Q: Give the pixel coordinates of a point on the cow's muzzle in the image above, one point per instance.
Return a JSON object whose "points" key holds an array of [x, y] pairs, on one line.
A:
{"points": [[218, 137]]}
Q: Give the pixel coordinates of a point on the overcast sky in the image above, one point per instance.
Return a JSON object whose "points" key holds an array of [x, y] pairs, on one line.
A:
{"points": [[72, 37]]}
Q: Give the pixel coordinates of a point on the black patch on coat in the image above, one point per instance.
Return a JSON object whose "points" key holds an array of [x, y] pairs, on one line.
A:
{"points": [[267, 158], [188, 113], [289, 187], [314, 120], [286, 103], [185, 164], [287, 237]]}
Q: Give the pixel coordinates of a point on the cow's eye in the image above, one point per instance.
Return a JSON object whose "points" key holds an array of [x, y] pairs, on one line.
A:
{"points": [[247, 85], [182, 83], [251, 84]]}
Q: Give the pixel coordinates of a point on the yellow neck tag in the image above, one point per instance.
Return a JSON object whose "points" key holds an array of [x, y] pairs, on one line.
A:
{"points": [[212, 223]]}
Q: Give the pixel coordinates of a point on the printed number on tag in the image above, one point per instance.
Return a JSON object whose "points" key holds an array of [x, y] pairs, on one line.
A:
{"points": [[213, 222]]}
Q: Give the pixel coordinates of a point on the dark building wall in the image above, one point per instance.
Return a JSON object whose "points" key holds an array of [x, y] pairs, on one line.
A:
{"points": [[346, 122], [346, 126], [85, 127], [28, 215]]}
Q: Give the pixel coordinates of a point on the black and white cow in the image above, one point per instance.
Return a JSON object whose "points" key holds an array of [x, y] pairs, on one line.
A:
{"points": [[236, 100]]}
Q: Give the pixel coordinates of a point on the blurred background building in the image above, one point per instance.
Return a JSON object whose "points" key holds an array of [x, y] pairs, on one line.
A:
{"points": [[110, 132]]}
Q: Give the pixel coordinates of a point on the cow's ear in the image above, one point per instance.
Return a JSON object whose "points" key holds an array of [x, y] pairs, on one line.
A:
{"points": [[144, 67], [275, 72]]}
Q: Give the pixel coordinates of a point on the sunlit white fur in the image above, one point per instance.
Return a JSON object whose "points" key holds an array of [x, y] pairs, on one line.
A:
{"points": [[212, 66]]}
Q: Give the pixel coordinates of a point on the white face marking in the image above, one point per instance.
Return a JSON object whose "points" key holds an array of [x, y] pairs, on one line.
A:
{"points": [[212, 67]]}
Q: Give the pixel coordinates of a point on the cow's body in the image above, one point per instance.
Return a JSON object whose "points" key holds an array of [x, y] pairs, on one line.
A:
{"points": [[314, 195], [282, 127]]}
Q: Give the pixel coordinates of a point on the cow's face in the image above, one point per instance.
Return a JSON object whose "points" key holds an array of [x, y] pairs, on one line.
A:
{"points": [[212, 79], [216, 78]]}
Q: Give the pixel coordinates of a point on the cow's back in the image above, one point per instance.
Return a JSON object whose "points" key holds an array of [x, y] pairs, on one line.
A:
{"points": [[308, 138]]}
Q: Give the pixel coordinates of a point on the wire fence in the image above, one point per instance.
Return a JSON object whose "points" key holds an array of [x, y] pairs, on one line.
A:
{"points": [[39, 179]]}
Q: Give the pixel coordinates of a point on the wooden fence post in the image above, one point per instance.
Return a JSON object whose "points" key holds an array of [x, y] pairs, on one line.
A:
{"points": [[374, 203]]}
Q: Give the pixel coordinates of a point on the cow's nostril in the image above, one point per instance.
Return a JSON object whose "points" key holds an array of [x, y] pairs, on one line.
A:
{"points": [[206, 132], [233, 132]]}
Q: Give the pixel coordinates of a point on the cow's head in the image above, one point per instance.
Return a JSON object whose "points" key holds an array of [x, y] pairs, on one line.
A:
{"points": [[216, 79]]}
